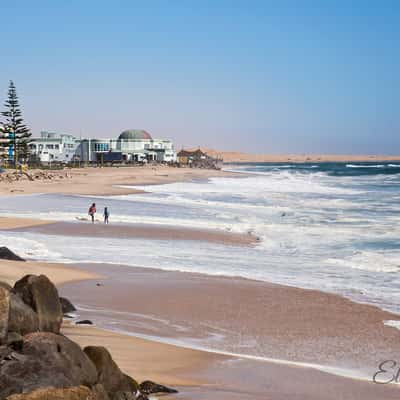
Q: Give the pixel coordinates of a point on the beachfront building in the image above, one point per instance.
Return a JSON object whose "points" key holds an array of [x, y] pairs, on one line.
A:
{"points": [[198, 159], [131, 146], [53, 147]]}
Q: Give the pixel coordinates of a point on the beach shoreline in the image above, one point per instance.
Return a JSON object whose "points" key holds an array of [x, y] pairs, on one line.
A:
{"points": [[197, 374], [202, 375], [108, 181]]}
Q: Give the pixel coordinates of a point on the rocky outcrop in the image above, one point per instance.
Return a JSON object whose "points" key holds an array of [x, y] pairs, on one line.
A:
{"points": [[17, 176], [7, 254], [38, 363], [114, 381], [45, 359], [66, 306], [41, 295]]}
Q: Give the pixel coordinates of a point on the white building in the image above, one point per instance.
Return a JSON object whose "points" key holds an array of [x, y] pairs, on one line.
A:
{"points": [[131, 146], [54, 147]]}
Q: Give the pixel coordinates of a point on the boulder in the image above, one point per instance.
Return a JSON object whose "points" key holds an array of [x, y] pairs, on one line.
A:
{"points": [[149, 387], [7, 254], [39, 293], [63, 353], [4, 313], [45, 360], [71, 393], [23, 319], [115, 382], [84, 322], [66, 306]]}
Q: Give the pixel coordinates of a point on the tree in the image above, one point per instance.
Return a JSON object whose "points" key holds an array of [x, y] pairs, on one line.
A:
{"points": [[18, 133], [3, 141]]}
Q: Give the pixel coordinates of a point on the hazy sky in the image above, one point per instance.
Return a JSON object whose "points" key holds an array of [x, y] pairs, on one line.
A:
{"points": [[260, 76]]}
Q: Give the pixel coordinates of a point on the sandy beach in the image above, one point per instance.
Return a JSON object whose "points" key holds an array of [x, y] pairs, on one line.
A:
{"points": [[198, 374], [312, 332], [108, 180]]}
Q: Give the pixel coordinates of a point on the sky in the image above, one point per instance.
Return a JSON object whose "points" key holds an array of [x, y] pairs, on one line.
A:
{"points": [[255, 76]]}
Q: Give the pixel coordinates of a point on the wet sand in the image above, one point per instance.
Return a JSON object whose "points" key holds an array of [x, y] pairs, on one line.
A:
{"points": [[131, 231], [240, 316], [288, 323], [197, 374]]}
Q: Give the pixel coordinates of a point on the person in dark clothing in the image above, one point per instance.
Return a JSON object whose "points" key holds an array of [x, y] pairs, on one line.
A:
{"points": [[92, 211], [106, 215]]}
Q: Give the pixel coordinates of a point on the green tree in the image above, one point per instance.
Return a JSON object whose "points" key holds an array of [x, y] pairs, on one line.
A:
{"points": [[18, 133]]}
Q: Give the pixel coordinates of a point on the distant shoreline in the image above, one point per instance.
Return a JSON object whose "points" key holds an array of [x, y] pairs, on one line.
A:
{"points": [[315, 161]]}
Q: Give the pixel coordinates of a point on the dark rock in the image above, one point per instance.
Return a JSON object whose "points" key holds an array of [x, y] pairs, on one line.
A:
{"points": [[39, 293], [23, 319], [149, 387], [84, 322], [15, 341], [66, 306], [115, 382], [4, 313], [7, 254], [45, 360], [63, 353]]}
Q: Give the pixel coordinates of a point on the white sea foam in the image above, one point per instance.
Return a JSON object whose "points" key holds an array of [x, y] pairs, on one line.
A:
{"points": [[29, 248], [365, 166], [392, 323], [339, 234]]}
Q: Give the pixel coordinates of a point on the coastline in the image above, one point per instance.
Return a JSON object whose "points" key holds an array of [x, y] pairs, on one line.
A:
{"points": [[200, 374], [108, 181], [252, 319], [238, 157]]}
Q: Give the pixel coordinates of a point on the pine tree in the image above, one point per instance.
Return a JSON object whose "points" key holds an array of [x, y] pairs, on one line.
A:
{"points": [[18, 133]]}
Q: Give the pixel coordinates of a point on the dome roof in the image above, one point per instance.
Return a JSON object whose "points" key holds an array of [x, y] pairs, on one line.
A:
{"points": [[134, 134]]}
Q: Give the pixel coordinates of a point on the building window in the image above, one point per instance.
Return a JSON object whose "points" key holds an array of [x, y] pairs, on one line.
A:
{"points": [[57, 146], [101, 147], [49, 146]]}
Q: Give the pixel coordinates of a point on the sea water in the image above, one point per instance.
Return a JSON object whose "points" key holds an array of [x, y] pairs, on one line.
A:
{"points": [[326, 226]]}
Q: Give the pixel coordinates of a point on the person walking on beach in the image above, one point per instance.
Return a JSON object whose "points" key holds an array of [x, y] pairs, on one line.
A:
{"points": [[106, 215], [92, 211]]}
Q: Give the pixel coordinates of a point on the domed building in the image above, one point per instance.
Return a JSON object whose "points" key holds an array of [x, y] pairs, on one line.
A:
{"points": [[132, 145], [136, 134]]}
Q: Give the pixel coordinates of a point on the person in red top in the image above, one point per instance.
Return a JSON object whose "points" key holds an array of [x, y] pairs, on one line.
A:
{"points": [[92, 211]]}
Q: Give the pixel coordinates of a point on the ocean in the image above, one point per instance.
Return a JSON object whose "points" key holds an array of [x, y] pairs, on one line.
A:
{"points": [[327, 226]]}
